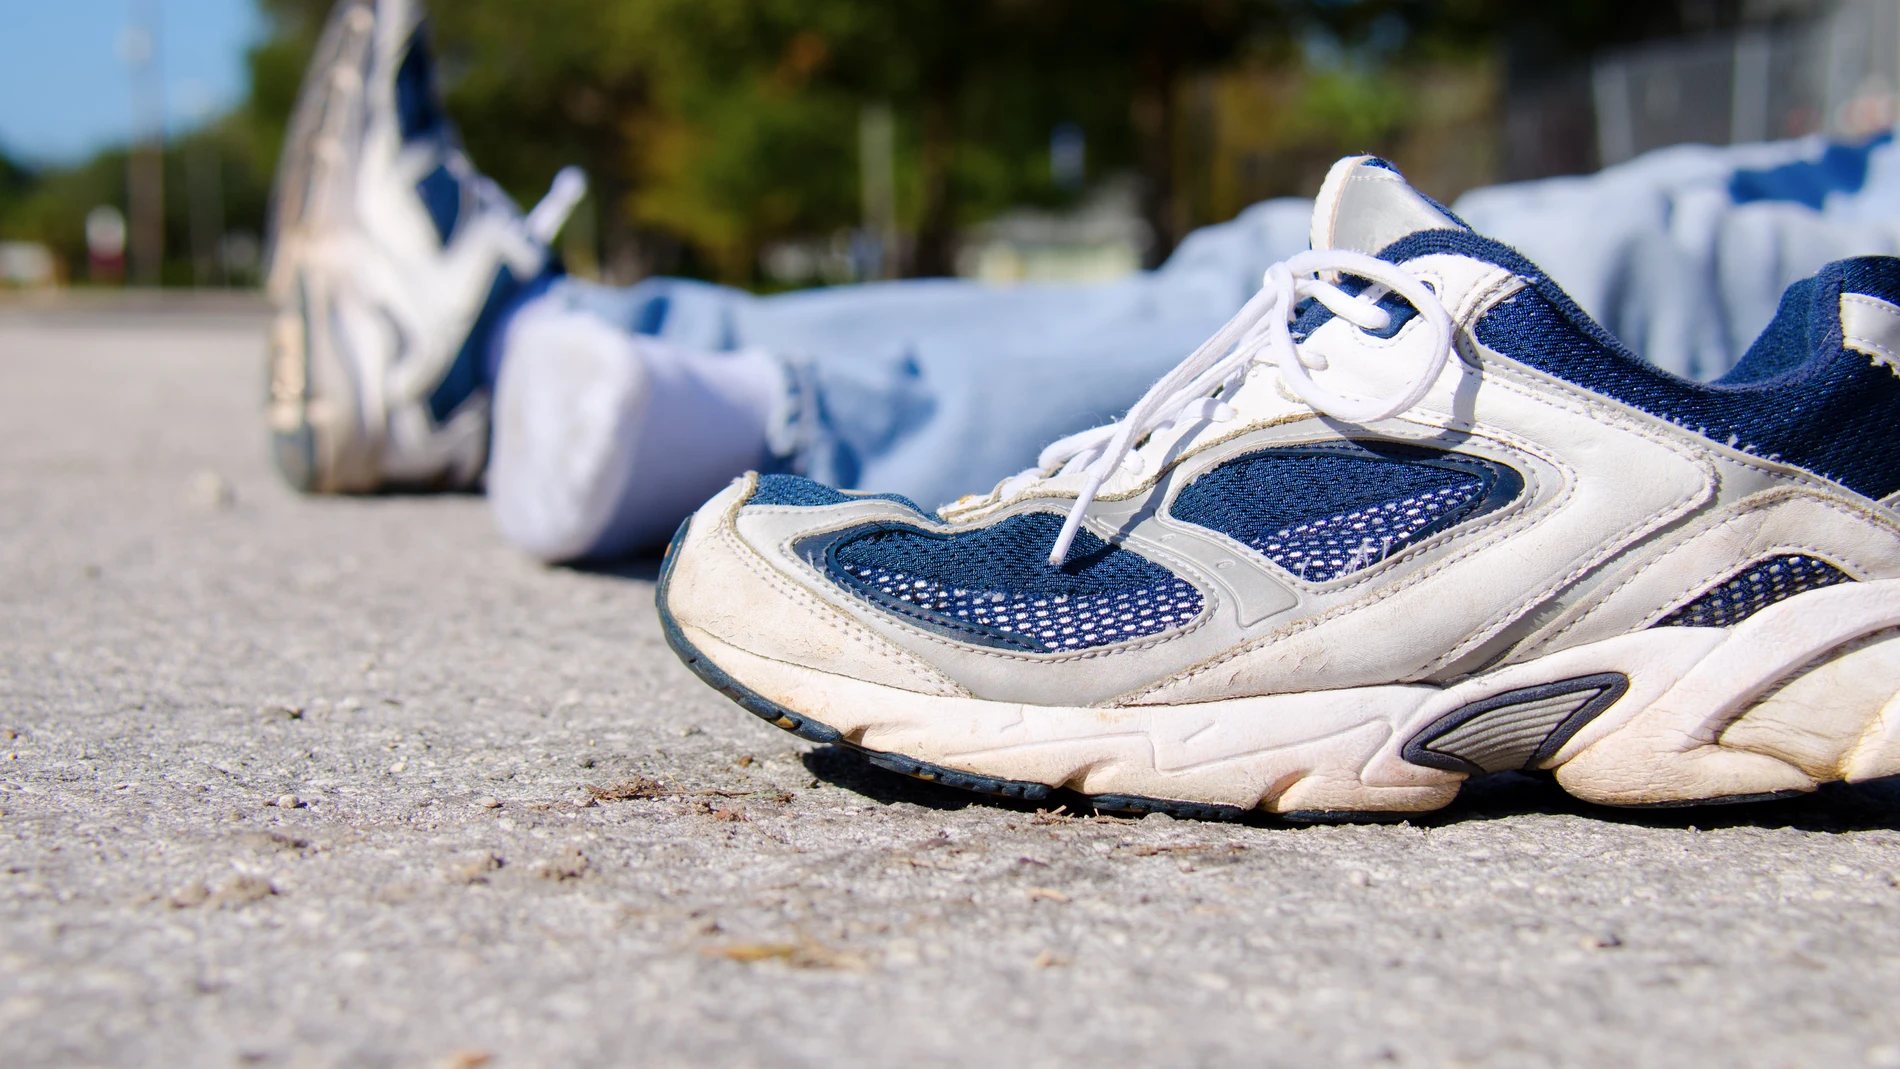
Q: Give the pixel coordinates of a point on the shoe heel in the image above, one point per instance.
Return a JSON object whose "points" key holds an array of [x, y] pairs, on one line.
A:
{"points": [[1801, 694], [1836, 720], [293, 444]]}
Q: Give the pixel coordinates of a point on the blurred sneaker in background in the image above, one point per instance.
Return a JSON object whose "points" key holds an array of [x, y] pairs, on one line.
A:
{"points": [[1410, 516], [392, 261]]}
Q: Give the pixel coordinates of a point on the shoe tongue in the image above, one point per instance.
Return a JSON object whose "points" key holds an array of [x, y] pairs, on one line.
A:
{"points": [[1365, 205]]}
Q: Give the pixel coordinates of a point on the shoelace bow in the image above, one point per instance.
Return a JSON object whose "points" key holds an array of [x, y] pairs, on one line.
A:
{"points": [[1260, 331]]}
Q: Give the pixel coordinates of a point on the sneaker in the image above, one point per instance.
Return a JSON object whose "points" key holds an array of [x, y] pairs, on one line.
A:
{"points": [[1410, 517], [391, 260]]}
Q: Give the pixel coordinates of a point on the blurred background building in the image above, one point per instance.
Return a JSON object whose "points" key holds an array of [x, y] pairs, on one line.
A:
{"points": [[1832, 70], [784, 143]]}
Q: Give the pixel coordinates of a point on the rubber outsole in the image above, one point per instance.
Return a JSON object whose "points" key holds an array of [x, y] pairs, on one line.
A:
{"points": [[1727, 799]]}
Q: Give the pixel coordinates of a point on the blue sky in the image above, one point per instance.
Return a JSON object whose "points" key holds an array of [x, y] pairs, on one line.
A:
{"points": [[65, 91]]}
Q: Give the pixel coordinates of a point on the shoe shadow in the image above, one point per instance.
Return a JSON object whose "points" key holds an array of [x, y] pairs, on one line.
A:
{"points": [[1835, 808], [844, 767], [643, 567]]}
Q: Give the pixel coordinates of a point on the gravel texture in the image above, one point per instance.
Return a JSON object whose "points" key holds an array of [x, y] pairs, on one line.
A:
{"points": [[291, 781]]}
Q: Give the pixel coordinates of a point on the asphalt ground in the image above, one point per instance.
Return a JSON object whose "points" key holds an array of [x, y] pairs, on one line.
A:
{"points": [[291, 781]]}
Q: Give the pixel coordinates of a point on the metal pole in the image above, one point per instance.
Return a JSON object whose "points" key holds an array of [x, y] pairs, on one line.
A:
{"points": [[145, 167], [206, 197], [1616, 126], [877, 170], [1748, 102]]}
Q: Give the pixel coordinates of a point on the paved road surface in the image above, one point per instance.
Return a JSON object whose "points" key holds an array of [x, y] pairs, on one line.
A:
{"points": [[346, 782]]}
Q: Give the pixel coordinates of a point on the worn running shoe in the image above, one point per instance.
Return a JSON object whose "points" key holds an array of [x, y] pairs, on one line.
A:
{"points": [[391, 258], [1408, 518]]}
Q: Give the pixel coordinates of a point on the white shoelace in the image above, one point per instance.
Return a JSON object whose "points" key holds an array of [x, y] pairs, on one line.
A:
{"points": [[528, 239], [1261, 330], [564, 193]]}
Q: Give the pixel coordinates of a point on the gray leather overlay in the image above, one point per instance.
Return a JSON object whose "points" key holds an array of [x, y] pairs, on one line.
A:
{"points": [[1516, 730], [1246, 596]]}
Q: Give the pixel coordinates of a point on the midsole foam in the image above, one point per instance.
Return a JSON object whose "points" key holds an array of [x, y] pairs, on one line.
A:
{"points": [[1341, 748]]}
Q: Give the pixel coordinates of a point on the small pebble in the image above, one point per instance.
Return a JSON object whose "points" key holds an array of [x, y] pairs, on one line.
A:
{"points": [[191, 894], [569, 864], [472, 868], [287, 801], [239, 890], [210, 491], [488, 801]]}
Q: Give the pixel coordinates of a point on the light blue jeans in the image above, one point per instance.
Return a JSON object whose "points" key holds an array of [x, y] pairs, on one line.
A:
{"points": [[938, 388], [934, 389]]}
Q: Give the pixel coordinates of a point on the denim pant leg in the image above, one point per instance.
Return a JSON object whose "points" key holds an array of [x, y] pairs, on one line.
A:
{"points": [[1683, 252], [937, 388]]}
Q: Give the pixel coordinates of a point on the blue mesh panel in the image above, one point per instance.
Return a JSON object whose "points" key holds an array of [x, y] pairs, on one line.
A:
{"points": [[1323, 515], [1753, 590], [418, 112], [806, 493], [1799, 396], [442, 197], [995, 586]]}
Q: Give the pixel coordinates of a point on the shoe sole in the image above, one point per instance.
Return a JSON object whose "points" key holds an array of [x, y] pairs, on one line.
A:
{"points": [[318, 441], [1800, 694]]}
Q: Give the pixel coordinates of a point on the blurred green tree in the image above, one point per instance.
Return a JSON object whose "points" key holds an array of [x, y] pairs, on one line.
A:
{"points": [[713, 128]]}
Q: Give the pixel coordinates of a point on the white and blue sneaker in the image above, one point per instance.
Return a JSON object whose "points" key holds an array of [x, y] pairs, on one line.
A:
{"points": [[1408, 518], [391, 259]]}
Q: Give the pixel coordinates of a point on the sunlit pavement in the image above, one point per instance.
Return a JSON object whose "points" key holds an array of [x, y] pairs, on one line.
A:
{"points": [[289, 781]]}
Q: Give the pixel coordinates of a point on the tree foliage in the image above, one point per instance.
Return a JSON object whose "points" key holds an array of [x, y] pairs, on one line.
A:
{"points": [[712, 128]]}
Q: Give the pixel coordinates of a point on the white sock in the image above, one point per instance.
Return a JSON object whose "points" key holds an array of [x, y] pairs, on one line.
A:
{"points": [[604, 441]]}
